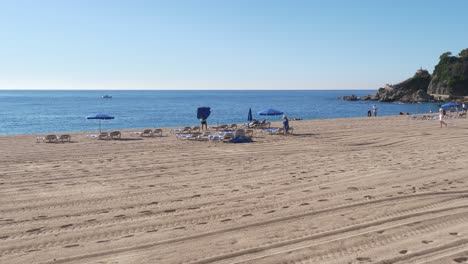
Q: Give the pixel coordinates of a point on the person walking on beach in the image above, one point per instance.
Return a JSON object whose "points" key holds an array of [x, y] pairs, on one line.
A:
{"points": [[203, 124], [285, 125], [374, 109], [441, 116]]}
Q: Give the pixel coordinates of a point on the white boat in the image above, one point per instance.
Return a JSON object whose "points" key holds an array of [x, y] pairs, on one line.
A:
{"points": [[106, 96]]}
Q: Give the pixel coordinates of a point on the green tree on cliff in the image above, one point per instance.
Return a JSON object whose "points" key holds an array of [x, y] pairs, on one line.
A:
{"points": [[463, 53], [451, 74]]}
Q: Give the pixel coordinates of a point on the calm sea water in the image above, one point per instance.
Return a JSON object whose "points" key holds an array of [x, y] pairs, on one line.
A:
{"points": [[27, 112]]}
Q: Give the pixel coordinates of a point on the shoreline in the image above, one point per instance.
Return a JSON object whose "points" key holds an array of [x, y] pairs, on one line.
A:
{"points": [[128, 130]]}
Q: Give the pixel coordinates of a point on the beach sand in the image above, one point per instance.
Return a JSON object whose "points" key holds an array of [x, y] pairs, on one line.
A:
{"points": [[360, 190]]}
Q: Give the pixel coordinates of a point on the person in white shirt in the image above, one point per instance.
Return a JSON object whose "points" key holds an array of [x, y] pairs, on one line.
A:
{"points": [[374, 109], [441, 117]]}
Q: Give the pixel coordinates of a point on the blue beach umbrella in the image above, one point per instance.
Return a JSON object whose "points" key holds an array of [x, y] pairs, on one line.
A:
{"points": [[203, 112], [100, 117], [272, 112], [448, 105], [249, 116]]}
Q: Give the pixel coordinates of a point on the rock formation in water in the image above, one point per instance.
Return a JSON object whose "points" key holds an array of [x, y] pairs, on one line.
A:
{"points": [[413, 89]]}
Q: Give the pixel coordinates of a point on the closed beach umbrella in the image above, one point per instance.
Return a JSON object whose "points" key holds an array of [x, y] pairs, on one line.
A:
{"points": [[100, 117], [249, 116], [448, 105], [272, 112], [203, 112]]}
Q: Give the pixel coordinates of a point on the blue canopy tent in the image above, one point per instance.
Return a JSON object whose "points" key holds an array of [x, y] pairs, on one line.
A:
{"points": [[100, 117], [271, 112], [448, 105], [203, 112], [249, 115]]}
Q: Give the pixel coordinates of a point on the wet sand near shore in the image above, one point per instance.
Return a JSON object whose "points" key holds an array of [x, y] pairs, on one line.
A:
{"points": [[359, 190]]}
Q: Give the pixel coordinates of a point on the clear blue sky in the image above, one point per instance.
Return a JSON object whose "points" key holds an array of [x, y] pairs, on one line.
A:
{"points": [[221, 44]]}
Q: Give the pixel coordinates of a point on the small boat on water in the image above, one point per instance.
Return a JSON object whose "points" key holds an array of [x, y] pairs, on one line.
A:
{"points": [[106, 96]]}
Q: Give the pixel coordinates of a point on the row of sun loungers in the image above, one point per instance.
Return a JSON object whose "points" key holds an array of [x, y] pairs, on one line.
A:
{"points": [[54, 138], [224, 133], [221, 136], [149, 133]]}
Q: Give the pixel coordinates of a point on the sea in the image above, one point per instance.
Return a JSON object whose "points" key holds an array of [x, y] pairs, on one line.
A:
{"points": [[54, 111]]}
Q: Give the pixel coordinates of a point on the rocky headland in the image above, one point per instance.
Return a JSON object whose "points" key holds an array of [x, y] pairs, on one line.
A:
{"points": [[449, 81]]}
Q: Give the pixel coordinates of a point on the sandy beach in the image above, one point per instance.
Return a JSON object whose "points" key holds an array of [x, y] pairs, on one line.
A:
{"points": [[359, 190]]}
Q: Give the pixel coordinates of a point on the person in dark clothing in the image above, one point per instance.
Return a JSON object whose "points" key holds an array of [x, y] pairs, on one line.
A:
{"points": [[285, 124], [203, 124]]}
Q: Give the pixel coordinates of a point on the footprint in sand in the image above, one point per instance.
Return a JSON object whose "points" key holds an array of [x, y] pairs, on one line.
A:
{"points": [[454, 233], [102, 241], [363, 259], [427, 241], [169, 210], [404, 251], [72, 245], [34, 230], [226, 220], [245, 215], [180, 227], [65, 226], [303, 204]]}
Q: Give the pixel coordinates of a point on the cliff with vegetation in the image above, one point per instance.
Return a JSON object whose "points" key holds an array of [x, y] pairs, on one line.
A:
{"points": [[448, 81], [450, 75]]}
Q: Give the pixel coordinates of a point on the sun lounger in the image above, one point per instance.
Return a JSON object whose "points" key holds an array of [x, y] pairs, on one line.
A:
{"points": [[50, 138], [158, 132], [115, 134], [104, 135], [272, 130], [147, 133], [64, 138], [187, 136], [185, 130]]}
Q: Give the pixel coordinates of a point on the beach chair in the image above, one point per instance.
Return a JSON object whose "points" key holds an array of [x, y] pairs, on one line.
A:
{"points": [[187, 136], [115, 135], [147, 133], [271, 130], [64, 138], [104, 135], [50, 138], [228, 137], [158, 132], [195, 128]]}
